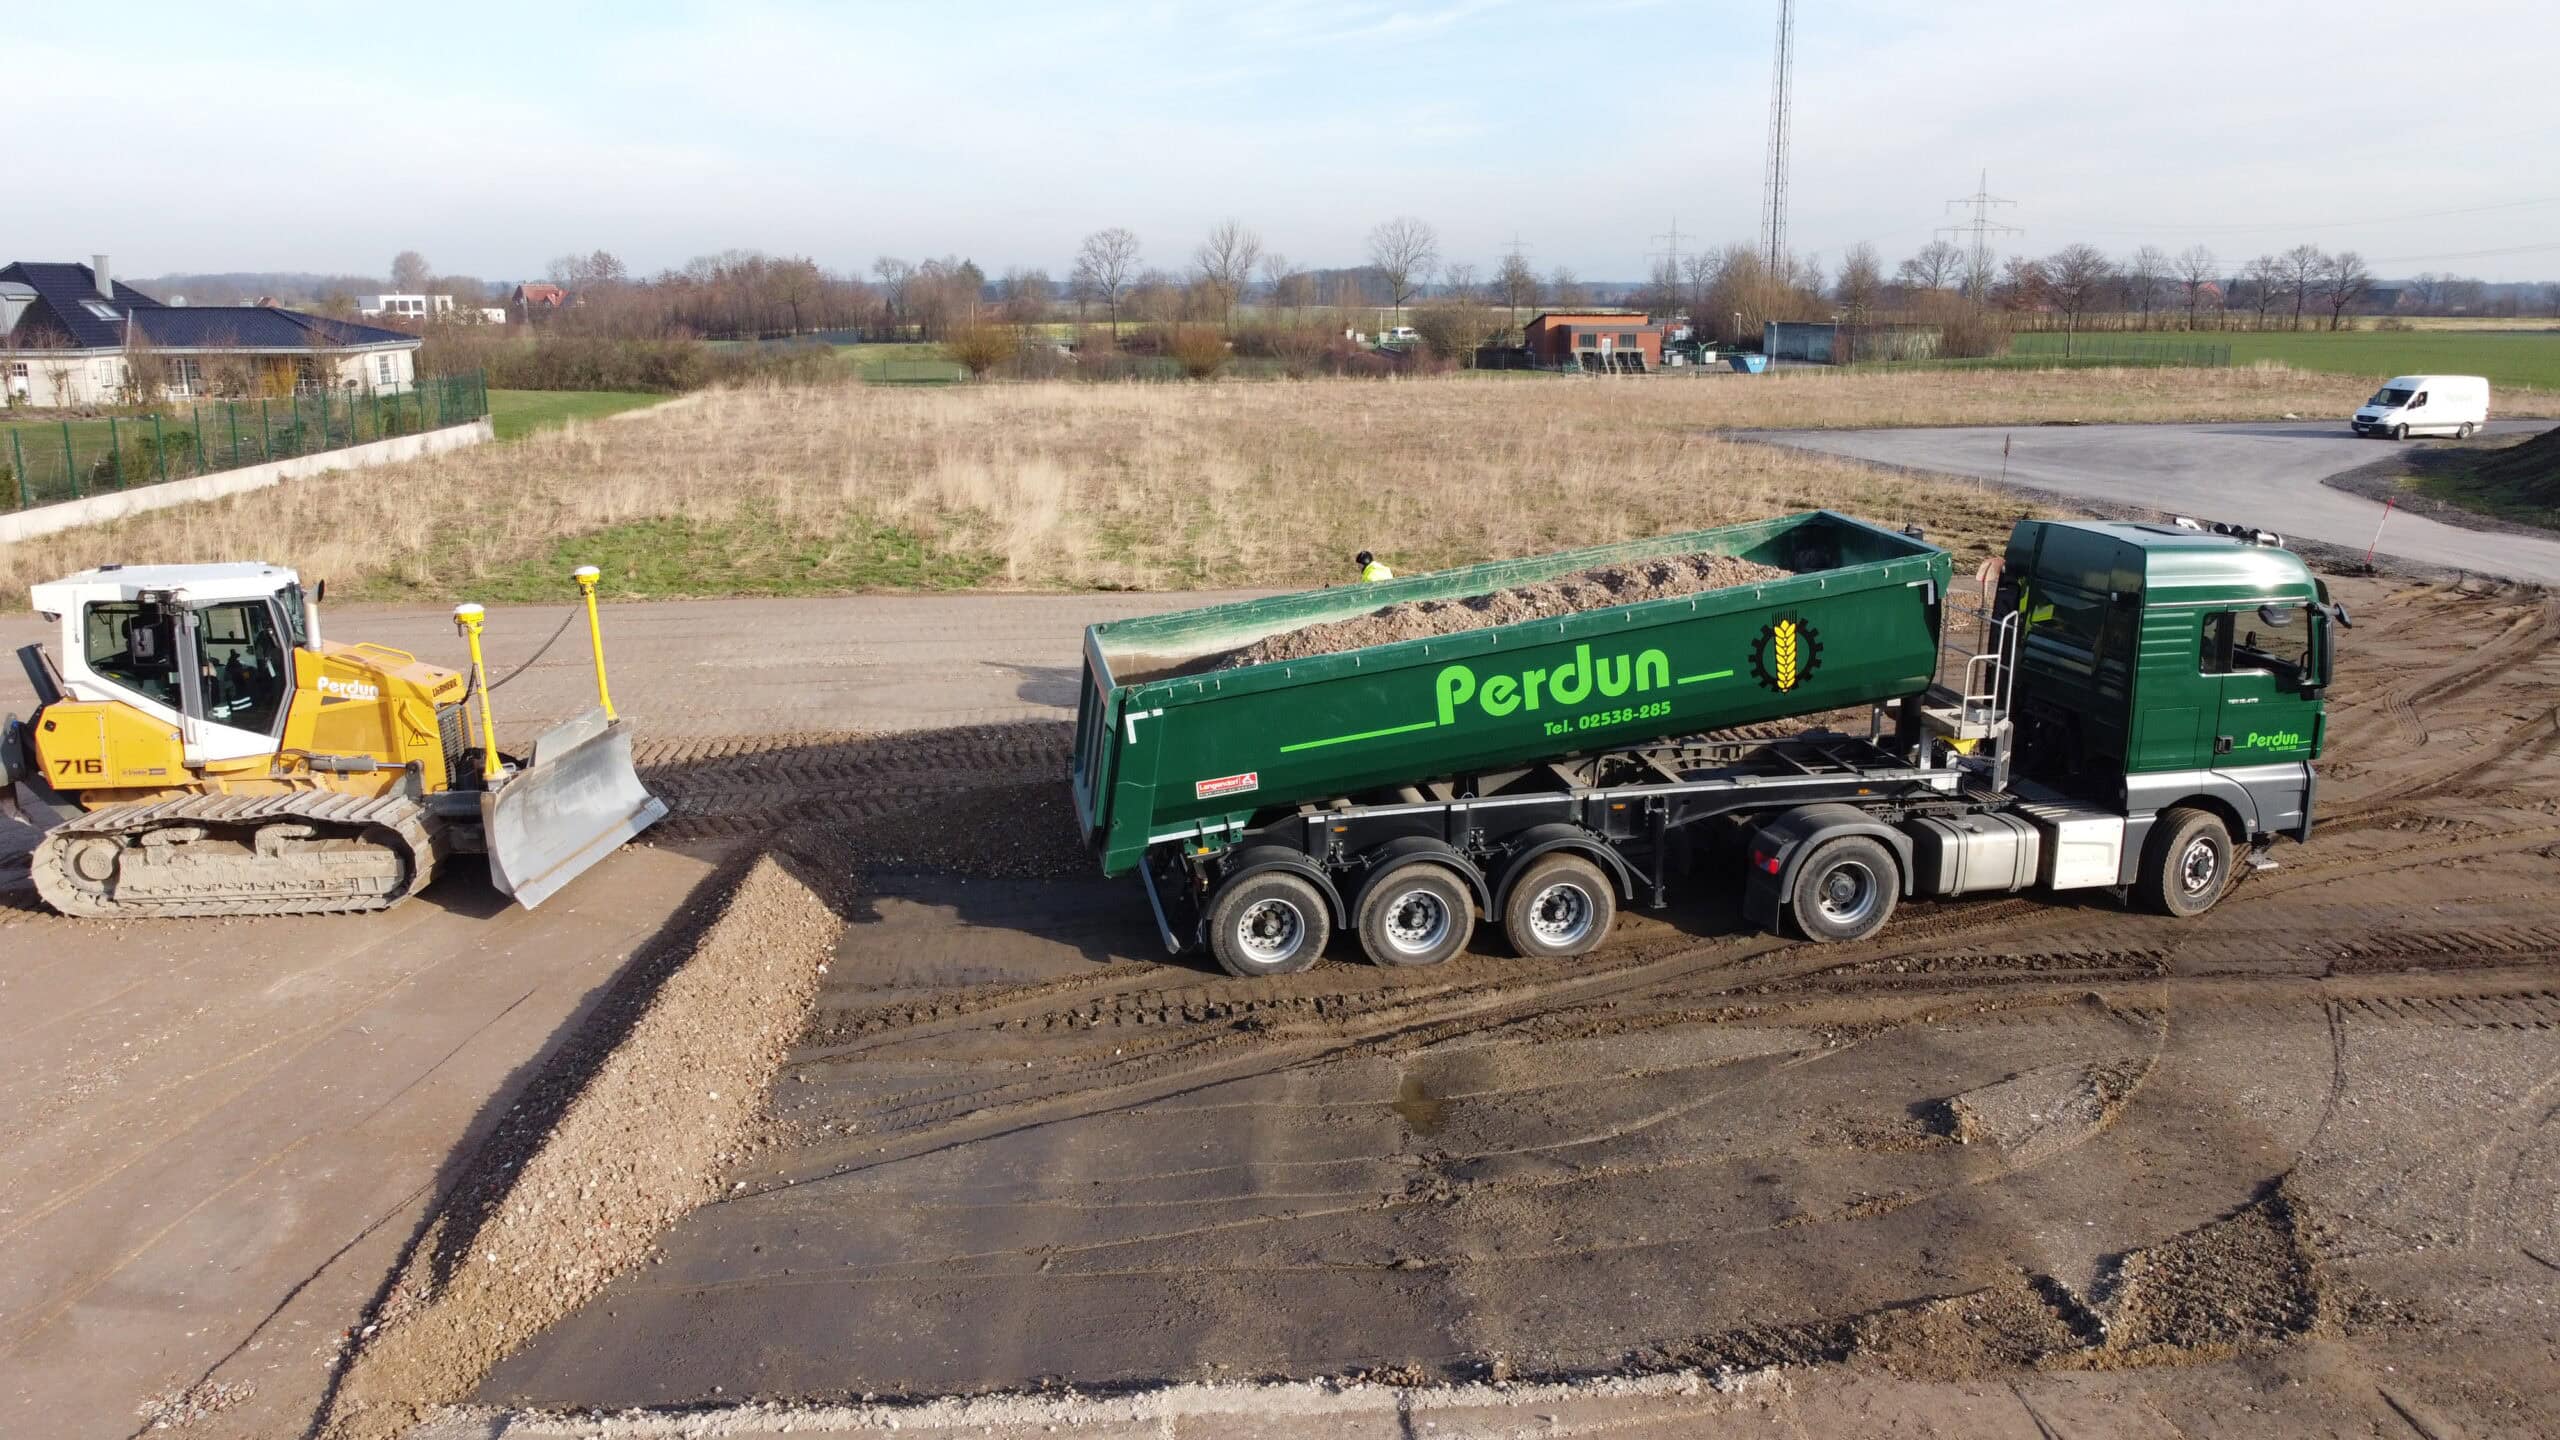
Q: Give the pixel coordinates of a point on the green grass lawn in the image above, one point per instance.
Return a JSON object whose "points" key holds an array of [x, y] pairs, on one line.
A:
{"points": [[518, 413], [2507, 357]]}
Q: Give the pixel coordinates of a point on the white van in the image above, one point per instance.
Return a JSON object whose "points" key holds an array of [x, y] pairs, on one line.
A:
{"points": [[2426, 405]]}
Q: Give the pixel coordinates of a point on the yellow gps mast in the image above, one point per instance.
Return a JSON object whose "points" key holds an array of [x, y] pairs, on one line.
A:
{"points": [[586, 576], [468, 618]]}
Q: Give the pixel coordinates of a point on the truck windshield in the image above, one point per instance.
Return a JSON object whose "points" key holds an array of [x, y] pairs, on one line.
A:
{"points": [[2387, 396]]}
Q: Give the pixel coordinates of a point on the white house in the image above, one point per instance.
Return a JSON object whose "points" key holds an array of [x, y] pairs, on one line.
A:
{"points": [[70, 336], [404, 307]]}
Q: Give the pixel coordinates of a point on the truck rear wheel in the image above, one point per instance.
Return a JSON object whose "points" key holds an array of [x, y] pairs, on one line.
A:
{"points": [[1562, 905], [2186, 865], [1270, 923], [1845, 890], [1419, 915]]}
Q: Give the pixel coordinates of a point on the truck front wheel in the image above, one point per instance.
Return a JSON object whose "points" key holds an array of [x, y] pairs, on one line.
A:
{"points": [[1846, 890], [1561, 906], [1419, 915], [1270, 923], [2187, 863]]}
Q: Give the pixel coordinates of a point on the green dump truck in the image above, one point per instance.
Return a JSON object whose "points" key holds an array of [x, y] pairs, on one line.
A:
{"points": [[2138, 712]]}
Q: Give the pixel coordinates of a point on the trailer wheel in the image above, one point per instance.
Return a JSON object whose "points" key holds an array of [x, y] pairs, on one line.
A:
{"points": [[1419, 915], [2187, 863], [1846, 890], [1269, 923], [1562, 905]]}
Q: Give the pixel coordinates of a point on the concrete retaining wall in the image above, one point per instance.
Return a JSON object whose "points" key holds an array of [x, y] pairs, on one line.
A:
{"points": [[115, 505]]}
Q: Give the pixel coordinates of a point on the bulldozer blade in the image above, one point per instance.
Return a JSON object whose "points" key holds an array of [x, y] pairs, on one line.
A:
{"points": [[577, 801]]}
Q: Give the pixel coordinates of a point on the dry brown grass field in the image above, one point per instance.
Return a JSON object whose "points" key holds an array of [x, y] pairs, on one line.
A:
{"points": [[770, 490]]}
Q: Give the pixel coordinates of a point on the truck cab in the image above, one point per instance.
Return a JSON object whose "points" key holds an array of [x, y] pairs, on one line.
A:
{"points": [[2161, 666]]}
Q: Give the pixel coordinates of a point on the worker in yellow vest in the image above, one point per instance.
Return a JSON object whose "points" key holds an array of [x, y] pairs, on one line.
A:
{"points": [[1372, 569]]}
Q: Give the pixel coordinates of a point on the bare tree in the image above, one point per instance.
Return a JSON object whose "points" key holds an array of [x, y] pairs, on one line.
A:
{"points": [[2426, 288], [1226, 260], [1024, 294], [1938, 266], [1275, 273], [1458, 281], [409, 273], [2344, 282], [1518, 285], [2302, 266], [1861, 281], [1105, 264], [596, 270], [2265, 276], [2021, 285], [2463, 295], [1564, 291], [1404, 250], [897, 285], [2144, 274], [2195, 276], [2551, 299], [2074, 277]]}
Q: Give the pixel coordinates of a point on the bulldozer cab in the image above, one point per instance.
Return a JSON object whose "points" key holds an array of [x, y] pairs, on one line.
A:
{"points": [[209, 649]]}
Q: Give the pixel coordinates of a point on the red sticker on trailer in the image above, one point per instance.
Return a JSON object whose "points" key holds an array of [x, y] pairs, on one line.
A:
{"points": [[1227, 785]]}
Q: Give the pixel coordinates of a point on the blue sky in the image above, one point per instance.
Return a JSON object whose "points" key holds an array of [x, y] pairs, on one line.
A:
{"points": [[493, 137]]}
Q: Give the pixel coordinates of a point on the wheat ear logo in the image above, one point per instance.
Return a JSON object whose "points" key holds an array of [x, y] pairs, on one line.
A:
{"points": [[1787, 651]]}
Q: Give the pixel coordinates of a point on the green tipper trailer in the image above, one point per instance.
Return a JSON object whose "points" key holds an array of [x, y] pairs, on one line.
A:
{"points": [[1532, 772]]}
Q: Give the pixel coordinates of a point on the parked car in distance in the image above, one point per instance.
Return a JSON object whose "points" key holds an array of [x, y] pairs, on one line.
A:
{"points": [[2455, 405]]}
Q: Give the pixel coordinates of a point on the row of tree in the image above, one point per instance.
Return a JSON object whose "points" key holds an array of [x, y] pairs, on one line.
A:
{"points": [[1728, 293]]}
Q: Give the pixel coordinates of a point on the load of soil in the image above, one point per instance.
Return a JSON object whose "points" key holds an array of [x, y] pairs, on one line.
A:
{"points": [[1656, 579]]}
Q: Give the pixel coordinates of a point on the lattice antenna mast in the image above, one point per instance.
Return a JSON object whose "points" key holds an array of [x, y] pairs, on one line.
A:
{"points": [[1773, 192], [1978, 232]]}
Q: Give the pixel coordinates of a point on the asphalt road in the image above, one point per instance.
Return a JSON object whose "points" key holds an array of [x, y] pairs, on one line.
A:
{"points": [[2264, 473]]}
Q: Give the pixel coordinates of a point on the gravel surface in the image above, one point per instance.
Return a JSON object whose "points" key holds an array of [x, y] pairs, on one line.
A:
{"points": [[1660, 579], [622, 1137]]}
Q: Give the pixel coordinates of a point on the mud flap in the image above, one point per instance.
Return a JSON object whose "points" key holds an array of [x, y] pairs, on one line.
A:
{"points": [[577, 801]]}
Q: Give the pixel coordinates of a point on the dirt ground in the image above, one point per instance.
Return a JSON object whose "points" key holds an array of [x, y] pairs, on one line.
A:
{"points": [[2013, 1167], [216, 1137]]}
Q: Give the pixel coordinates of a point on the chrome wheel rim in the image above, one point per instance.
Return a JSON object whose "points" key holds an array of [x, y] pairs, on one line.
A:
{"points": [[1270, 931], [2199, 868], [1418, 922], [1848, 893], [1561, 914]]}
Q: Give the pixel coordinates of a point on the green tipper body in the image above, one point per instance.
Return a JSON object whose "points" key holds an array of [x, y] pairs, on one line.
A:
{"points": [[1161, 759]]}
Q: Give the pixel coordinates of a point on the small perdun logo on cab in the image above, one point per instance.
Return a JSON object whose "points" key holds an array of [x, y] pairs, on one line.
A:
{"points": [[1227, 785]]}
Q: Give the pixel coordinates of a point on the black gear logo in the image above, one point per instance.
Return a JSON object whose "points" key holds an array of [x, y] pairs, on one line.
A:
{"points": [[1787, 651]]}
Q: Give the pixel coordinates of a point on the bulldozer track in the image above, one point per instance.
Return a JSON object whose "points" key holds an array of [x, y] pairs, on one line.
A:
{"points": [[393, 826]]}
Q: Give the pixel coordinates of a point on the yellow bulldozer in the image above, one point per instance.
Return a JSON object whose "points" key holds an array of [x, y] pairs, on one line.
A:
{"points": [[200, 750]]}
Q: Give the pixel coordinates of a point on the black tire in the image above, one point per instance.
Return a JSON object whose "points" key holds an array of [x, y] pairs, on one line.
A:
{"points": [[1419, 914], [1846, 890], [2399, 432], [2186, 864], [2465, 432], [1268, 923], [1561, 905]]}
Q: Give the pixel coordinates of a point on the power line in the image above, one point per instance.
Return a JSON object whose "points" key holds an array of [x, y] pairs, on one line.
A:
{"points": [[1773, 192], [1671, 250], [1981, 227]]}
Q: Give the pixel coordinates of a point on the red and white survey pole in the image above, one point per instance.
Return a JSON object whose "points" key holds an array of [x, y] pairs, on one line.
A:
{"points": [[2377, 529]]}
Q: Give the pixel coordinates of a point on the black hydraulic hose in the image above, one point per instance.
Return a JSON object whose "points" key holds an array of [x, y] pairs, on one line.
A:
{"points": [[472, 689]]}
